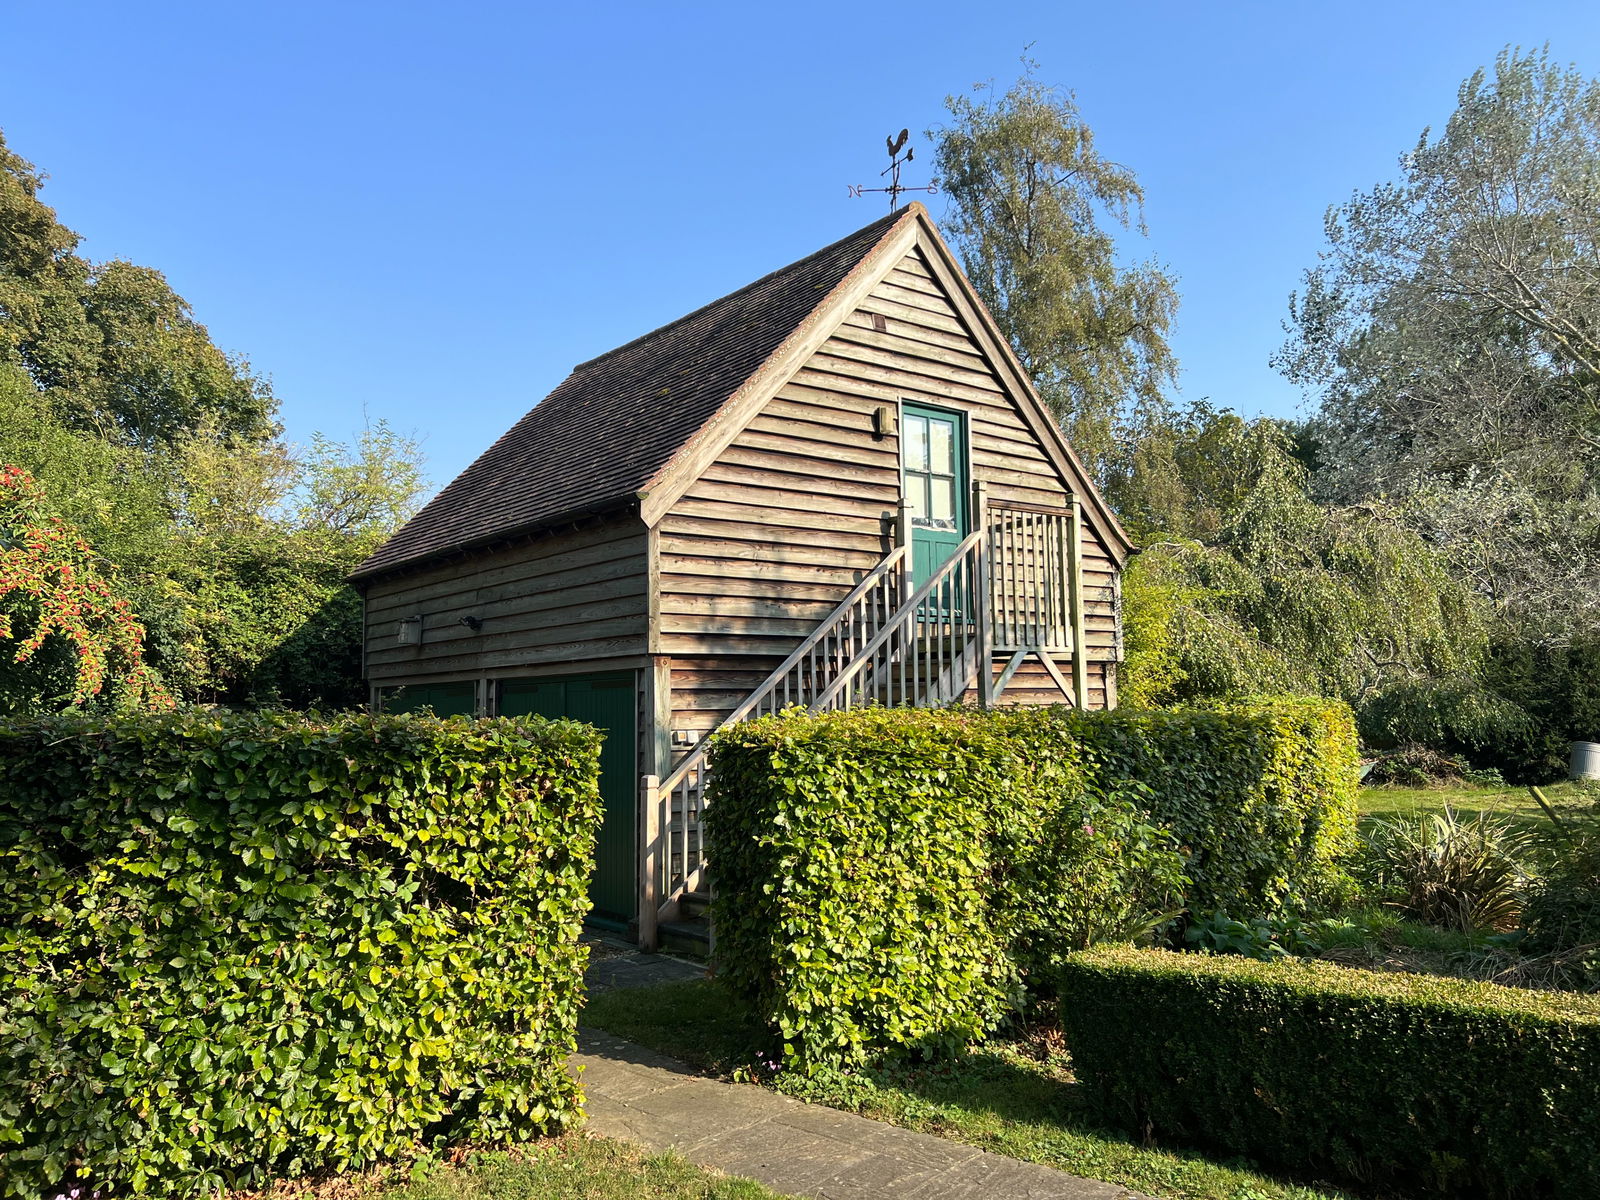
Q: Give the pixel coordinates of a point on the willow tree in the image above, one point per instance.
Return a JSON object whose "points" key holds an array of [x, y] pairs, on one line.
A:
{"points": [[1034, 208], [1273, 592]]}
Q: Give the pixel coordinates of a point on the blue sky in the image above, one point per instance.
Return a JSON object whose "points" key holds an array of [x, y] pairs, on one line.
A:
{"points": [[429, 213]]}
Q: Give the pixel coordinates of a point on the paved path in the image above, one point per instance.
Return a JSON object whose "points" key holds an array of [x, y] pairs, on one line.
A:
{"points": [[800, 1149], [616, 965]]}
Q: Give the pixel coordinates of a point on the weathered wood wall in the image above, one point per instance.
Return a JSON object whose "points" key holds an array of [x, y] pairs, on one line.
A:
{"points": [[801, 504], [570, 597]]}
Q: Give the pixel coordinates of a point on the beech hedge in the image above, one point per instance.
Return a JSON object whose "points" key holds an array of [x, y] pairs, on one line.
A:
{"points": [[234, 947], [1410, 1083], [1260, 793], [896, 879]]}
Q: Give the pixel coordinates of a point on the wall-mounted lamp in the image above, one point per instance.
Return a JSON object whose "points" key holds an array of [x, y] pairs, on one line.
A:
{"points": [[410, 631], [882, 422], [473, 623]]}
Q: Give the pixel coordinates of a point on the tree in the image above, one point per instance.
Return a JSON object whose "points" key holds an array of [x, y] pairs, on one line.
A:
{"points": [[1276, 593], [1028, 193], [1452, 336], [66, 637], [115, 350]]}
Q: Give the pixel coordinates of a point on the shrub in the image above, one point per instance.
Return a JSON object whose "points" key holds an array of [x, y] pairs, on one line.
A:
{"points": [[897, 878], [239, 946], [851, 851], [1400, 1081], [1073, 866], [1464, 875], [1261, 794], [1558, 685], [1562, 914], [1449, 717], [1259, 937]]}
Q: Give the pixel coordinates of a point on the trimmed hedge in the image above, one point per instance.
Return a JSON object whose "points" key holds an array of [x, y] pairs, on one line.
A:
{"points": [[1412, 1082], [895, 878], [851, 854], [1261, 794], [241, 946]]}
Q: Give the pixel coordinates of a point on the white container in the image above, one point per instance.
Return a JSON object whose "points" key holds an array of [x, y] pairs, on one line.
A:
{"points": [[1585, 761]]}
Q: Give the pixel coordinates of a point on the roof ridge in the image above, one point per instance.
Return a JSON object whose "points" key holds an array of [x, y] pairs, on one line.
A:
{"points": [[893, 216]]}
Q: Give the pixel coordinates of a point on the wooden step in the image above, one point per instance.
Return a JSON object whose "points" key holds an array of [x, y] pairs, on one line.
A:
{"points": [[694, 905], [691, 939]]}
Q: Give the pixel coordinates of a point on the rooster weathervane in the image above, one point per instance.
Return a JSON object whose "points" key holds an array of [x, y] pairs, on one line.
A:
{"points": [[895, 188]]}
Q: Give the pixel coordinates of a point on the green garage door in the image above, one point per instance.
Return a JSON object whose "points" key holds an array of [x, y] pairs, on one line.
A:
{"points": [[606, 702], [444, 699]]}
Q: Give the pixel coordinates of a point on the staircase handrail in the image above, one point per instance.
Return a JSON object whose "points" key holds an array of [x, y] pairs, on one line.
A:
{"points": [[891, 561], [900, 618]]}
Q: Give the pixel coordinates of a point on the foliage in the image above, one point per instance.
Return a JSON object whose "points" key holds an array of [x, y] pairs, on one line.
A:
{"points": [[1558, 687], [851, 853], [1377, 1077], [1260, 794], [231, 546], [1460, 874], [1028, 190], [66, 637], [1259, 937], [111, 346], [1562, 913], [891, 879], [1288, 595], [1074, 865], [1449, 715], [243, 946], [1451, 333]]}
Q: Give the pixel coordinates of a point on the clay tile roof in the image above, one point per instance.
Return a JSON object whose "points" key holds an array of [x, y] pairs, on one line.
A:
{"points": [[609, 428]]}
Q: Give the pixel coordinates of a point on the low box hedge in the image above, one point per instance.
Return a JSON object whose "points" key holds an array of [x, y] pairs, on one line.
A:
{"points": [[1426, 1085], [241, 946], [898, 878]]}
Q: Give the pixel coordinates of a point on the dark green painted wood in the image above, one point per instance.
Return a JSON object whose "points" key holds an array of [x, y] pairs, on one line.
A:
{"points": [[933, 459], [444, 699], [606, 702]]}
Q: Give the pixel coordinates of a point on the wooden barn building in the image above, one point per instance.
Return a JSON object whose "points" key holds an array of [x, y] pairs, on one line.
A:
{"points": [[835, 486]]}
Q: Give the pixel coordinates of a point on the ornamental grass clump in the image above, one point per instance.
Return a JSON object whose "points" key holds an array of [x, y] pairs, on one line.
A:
{"points": [[1464, 875]]}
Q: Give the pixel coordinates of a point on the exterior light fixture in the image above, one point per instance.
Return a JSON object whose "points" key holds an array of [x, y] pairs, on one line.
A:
{"points": [[473, 623]]}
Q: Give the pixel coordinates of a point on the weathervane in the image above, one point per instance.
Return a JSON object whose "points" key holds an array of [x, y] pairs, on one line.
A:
{"points": [[895, 144]]}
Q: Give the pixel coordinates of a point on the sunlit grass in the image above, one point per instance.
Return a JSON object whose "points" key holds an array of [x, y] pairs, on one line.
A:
{"points": [[1474, 800], [578, 1168]]}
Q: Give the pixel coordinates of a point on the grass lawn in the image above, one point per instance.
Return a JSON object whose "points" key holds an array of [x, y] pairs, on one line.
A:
{"points": [[1015, 1098], [1472, 800], [575, 1167]]}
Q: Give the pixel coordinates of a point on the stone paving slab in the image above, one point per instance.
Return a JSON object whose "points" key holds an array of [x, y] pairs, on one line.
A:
{"points": [[799, 1149], [611, 966]]}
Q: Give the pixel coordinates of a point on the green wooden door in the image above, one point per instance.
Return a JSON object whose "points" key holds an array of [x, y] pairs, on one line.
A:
{"points": [[933, 458], [458, 699], [606, 702]]}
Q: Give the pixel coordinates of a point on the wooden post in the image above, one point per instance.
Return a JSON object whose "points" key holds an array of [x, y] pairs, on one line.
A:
{"points": [[649, 862], [902, 537], [1080, 662], [983, 601]]}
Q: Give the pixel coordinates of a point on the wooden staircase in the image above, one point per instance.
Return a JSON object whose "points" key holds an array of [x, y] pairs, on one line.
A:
{"points": [[1011, 588]]}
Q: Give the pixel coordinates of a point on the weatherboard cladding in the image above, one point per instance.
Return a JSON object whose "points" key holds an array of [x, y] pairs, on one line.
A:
{"points": [[617, 420]]}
